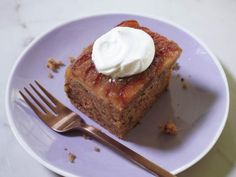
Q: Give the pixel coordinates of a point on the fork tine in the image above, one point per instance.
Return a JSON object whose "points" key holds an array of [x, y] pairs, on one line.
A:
{"points": [[44, 99], [52, 98], [36, 101], [34, 108]]}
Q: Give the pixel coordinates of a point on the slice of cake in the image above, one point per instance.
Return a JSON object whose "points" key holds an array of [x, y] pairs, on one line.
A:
{"points": [[119, 103]]}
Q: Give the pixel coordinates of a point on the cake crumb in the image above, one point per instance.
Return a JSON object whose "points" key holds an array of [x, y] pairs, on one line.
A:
{"points": [[71, 157], [65, 149], [54, 65], [178, 75], [176, 67], [97, 149], [50, 75], [184, 84], [169, 128]]}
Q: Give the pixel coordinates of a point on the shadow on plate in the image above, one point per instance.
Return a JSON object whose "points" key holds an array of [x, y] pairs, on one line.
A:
{"points": [[185, 107], [222, 158]]}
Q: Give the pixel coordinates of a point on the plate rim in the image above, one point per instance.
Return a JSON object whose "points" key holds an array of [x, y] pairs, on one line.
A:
{"points": [[57, 170]]}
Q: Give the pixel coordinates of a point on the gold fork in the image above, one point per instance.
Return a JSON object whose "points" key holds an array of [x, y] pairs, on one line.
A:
{"points": [[61, 119]]}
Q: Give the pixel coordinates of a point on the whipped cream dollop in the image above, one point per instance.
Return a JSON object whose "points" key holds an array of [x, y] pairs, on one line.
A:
{"points": [[123, 51]]}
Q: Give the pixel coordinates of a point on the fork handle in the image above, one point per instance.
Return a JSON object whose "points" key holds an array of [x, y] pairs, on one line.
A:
{"points": [[128, 153]]}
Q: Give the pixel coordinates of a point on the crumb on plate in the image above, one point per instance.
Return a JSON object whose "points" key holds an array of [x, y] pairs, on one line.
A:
{"points": [[54, 65], [50, 75], [184, 84], [71, 157], [169, 128], [97, 149]]}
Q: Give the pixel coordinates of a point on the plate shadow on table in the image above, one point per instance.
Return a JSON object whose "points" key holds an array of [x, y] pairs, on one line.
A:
{"points": [[185, 107], [224, 149]]}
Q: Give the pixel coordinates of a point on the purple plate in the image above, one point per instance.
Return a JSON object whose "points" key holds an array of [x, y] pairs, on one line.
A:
{"points": [[200, 111]]}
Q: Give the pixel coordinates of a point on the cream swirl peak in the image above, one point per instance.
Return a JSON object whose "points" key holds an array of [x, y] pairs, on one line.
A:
{"points": [[123, 51]]}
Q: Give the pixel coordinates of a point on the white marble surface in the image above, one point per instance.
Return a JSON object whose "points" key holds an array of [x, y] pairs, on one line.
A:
{"points": [[214, 21]]}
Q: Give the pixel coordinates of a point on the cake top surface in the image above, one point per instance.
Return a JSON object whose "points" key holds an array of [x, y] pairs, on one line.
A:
{"points": [[122, 91]]}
